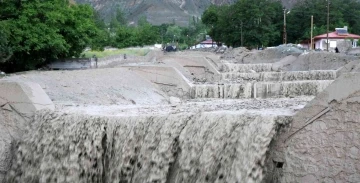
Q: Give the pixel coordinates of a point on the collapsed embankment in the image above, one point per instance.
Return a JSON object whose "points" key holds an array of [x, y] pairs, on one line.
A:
{"points": [[202, 147]]}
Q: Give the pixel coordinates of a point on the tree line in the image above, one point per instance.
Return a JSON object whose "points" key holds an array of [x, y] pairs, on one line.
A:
{"points": [[255, 23], [36, 32]]}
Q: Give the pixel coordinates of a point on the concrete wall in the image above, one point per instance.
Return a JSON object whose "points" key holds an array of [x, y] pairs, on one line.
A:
{"points": [[289, 88], [169, 79], [322, 142], [246, 67], [260, 89], [109, 61], [222, 91], [282, 76], [88, 63], [18, 103], [71, 64], [200, 68], [116, 60]]}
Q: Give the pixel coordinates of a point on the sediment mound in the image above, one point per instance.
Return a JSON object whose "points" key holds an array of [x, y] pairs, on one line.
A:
{"points": [[319, 61], [235, 53], [269, 55], [203, 147]]}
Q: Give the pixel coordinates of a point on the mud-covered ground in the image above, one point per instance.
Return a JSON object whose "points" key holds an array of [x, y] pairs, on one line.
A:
{"points": [[123, 122], [281, 106]]}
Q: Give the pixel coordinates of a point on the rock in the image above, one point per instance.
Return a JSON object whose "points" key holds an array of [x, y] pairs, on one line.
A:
{"points": [[25, 99], [174, 101], [7, 107]]}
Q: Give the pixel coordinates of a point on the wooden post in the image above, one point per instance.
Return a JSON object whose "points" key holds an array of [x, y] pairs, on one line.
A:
{"points": [[312, 28], [284, 36]]}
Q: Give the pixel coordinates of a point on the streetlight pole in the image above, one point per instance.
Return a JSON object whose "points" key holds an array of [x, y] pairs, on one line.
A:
{"points": [[311, 32], [284, 36], [327, 32]]}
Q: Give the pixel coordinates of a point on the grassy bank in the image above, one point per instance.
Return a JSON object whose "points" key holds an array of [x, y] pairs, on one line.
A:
{"points": [[127, 51]]}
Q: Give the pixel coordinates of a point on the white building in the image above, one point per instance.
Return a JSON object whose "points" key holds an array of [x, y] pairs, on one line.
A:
{"points": [[339, 37], [205, 44]]}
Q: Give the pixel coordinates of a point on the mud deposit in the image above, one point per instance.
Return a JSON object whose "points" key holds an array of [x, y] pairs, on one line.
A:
{"points": [[185, 117], [203, 147]]}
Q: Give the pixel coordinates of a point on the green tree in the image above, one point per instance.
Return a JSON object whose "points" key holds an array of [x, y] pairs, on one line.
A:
{"points": [[250, 23], [114, 24], [120, 17], [5, 48], [215, 18], [41, 31], [211, 15], [143, 34], [351, 14], [126, 37], [102, 37], [147, 34], [173, 32], [342, 13], [162, 33]]}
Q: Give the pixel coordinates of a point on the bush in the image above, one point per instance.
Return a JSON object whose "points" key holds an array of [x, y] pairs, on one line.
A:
{"points": [[183, 46]]}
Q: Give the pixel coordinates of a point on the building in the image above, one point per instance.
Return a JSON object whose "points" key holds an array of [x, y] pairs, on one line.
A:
{"points": [[209, 43], [339, 38]]}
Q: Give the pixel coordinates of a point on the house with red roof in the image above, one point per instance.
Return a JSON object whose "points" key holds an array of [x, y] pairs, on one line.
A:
{"points": [[335, 39]]}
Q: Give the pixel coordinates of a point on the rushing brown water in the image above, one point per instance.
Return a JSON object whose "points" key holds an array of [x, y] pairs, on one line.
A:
{"points": [[204, 147]]}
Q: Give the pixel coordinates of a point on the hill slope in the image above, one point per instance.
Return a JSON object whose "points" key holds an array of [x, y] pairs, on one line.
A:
{"points": [[158, 11]]}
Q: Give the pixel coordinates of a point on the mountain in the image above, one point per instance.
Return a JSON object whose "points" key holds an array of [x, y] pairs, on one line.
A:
{"points": [[158, 11]]}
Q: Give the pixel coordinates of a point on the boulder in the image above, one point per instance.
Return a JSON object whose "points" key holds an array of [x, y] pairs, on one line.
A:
{"points": [[174, 101]]}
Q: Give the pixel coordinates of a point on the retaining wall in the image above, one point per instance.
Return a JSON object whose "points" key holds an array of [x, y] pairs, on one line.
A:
{"points": [[18, 103], [260, 89], [282, 76], [168, 79], [322, 142]]}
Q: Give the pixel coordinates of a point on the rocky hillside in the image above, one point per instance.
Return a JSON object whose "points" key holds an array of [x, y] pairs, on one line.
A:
{"points": [[158, 11]]}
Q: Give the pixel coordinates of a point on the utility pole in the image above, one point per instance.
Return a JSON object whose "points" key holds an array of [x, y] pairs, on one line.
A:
{"points": [[312, 25], [284, 36], [327, 32], [241, 29]]}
